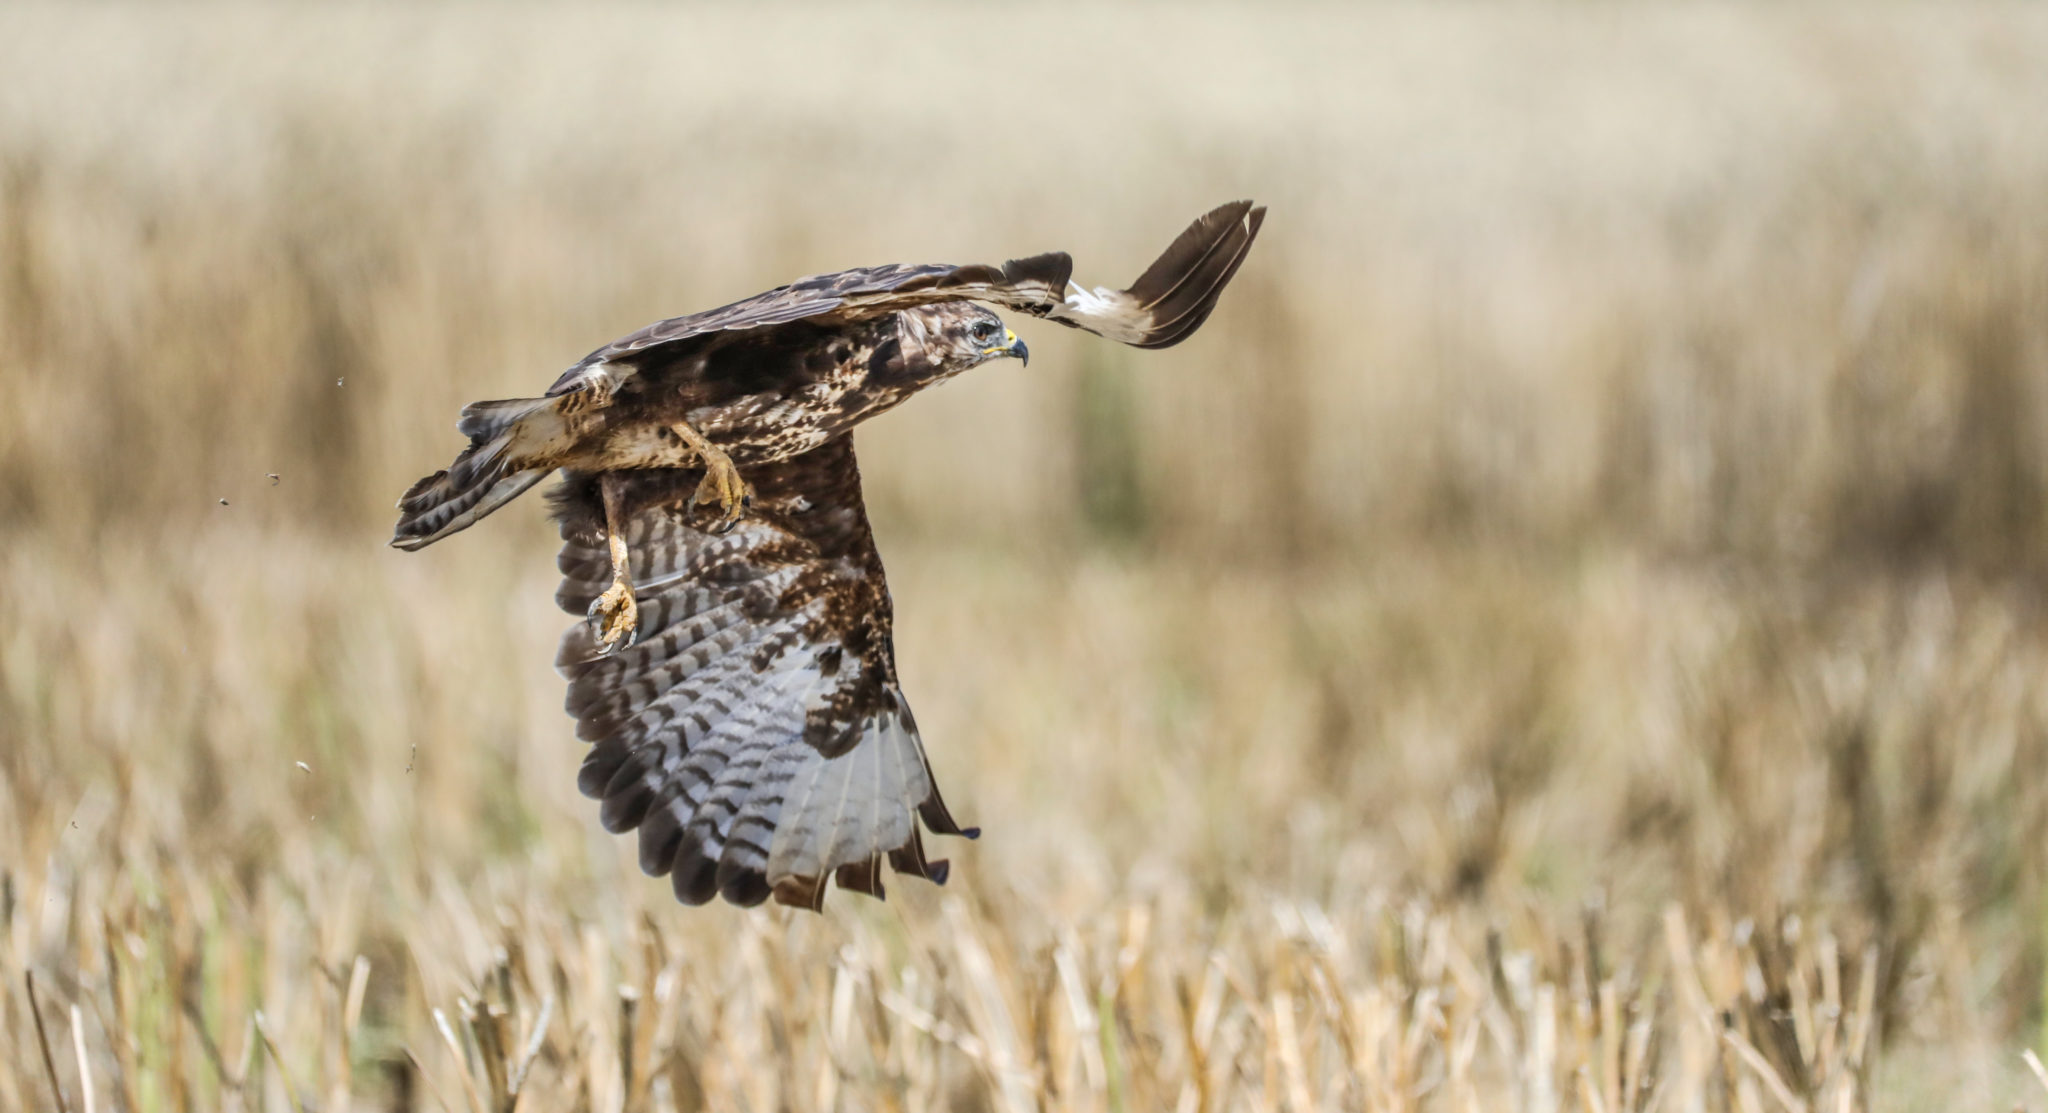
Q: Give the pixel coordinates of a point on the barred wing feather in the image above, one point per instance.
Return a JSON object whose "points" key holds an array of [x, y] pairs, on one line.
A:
{"points": [[755, 734]]}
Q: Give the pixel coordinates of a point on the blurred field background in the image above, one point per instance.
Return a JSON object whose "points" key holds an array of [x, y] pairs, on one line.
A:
{"points": [[1568, 634]]}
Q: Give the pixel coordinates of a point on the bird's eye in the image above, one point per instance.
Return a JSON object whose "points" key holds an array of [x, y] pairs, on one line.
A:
{"points": [[984, 331]]}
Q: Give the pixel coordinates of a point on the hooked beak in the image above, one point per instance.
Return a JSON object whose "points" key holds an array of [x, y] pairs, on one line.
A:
{"points": [[1012, 345]]}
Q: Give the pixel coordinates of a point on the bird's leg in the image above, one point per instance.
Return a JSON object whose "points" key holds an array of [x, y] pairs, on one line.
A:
{"points": [[616, 612], [722, 485]]}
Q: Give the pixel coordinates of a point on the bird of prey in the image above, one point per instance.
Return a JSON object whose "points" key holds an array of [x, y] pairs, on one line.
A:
{"points": [[735, 676]]}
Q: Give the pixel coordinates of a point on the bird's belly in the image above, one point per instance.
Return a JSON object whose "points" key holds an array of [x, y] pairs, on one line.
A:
{"points": [[753, 431], [765, 428], [643, 444]]}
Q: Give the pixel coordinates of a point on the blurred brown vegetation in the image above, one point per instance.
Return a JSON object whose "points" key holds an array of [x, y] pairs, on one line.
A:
{"points": [[1567, 634]]}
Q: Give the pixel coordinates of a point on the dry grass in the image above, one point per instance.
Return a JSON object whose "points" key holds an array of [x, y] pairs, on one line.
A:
{"points": [[1568, 635]]}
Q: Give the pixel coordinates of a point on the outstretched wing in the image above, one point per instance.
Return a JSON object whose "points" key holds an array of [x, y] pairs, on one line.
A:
{"points": [[754, 732], [1163, 307]]}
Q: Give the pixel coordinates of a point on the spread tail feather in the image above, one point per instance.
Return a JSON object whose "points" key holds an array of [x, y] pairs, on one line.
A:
{"points": [[438, 506], [480, 480]]}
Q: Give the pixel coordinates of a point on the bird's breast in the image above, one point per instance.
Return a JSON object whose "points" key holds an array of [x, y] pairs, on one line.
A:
{"points": [[809, 405]]}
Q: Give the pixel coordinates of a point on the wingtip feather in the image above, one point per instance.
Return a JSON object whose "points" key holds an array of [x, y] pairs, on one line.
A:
{"points": [[1177, 315], [1183, 257], [1179, 290]]}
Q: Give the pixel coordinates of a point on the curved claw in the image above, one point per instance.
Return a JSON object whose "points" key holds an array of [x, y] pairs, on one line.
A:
{"points": [[607, 648]]}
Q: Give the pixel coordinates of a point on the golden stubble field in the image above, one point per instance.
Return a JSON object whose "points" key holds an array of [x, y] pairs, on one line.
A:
{"points": [[1568, 634]]}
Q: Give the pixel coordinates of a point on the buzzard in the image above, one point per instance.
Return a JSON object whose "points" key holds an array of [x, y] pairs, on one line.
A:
{"points": [[735, 676]]}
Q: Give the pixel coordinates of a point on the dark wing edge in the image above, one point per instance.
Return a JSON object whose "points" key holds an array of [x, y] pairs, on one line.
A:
{"points": [[754, 732], [1162, 308]]}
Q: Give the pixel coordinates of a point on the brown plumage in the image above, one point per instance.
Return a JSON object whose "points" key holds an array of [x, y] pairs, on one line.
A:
{"points": [[738, 684]]}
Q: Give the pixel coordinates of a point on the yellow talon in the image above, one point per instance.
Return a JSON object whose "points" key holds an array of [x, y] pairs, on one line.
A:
{"points": [[617, 615], [723, 488]]}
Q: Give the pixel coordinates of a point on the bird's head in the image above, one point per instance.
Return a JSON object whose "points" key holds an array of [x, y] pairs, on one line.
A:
{"points": [[962, 334]]}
